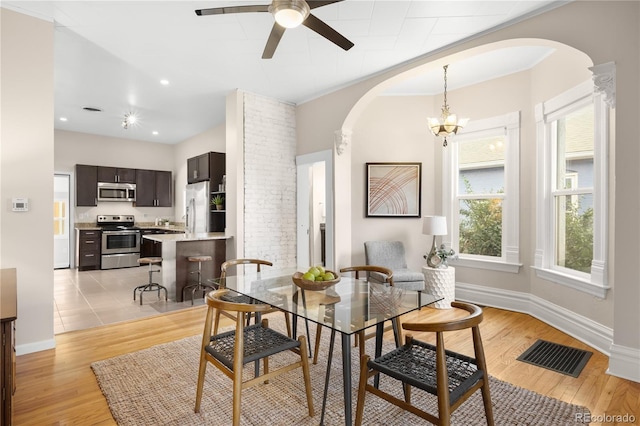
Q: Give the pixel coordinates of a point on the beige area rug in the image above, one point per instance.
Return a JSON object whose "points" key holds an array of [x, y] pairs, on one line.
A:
{"points": [[157, 386]]}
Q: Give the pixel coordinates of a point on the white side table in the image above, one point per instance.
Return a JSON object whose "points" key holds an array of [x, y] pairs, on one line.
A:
{"points": [[440, 282]]}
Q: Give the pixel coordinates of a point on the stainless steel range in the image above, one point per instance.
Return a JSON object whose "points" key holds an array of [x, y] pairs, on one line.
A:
{"points": [[120, 241]]}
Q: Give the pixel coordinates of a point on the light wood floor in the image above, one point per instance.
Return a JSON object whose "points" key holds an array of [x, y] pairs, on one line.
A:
{"points": [[57, 387]]}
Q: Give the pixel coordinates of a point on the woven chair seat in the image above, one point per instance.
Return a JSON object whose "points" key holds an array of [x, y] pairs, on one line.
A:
{"points": [[259, 342], [238, 298], [415, 364]]}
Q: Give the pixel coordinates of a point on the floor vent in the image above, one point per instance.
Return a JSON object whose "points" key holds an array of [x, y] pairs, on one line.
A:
{"points": [[556, 357]]}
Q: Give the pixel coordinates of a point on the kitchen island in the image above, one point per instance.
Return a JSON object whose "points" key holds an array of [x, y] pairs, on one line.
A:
{"points": [[176, 248]]}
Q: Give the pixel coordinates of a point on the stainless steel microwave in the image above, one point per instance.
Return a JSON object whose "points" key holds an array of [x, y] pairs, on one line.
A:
{"points": [[116, 191]]}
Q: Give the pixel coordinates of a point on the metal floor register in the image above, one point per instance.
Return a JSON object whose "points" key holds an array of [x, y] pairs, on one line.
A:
{"points": [[556, 357]]}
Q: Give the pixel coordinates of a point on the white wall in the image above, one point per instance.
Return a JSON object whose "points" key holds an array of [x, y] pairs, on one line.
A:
{"points": [[26, 170], [393, 129]]}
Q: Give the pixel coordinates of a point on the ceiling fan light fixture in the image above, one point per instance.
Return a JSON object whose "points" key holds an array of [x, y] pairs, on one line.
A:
{"points": [[289, 13], [448, 123]]}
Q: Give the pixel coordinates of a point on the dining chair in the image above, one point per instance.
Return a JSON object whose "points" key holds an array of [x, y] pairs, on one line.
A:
{"points": [[360, 337], [231, 350], [450, 376], [237, 298]]}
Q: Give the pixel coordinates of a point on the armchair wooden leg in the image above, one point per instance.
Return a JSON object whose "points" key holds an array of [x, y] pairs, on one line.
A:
{"points": [[216, 322], [201, 372], [362, 393], [317, 344], [287, 320], [304, 358], [361, 342]]}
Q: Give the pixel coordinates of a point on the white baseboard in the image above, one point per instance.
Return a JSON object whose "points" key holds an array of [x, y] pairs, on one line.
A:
{"points": [[582, 328], [35, 347], [624, 362]]}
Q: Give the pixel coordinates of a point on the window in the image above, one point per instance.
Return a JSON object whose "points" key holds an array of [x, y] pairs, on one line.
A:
{"points": [[481, 189], [572, 140]]}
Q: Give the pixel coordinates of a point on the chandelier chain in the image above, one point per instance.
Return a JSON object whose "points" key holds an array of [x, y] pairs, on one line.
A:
{"points": [[446, 107]]}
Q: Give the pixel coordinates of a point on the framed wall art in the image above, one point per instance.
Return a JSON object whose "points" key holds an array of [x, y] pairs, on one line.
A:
{"points": [[393, 189]]}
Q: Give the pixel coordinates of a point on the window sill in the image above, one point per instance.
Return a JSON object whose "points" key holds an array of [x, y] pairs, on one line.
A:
{"points": [[491, 265], [572, 282]]}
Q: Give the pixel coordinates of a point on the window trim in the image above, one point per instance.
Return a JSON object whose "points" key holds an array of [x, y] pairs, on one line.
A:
{"points": [[594, 283], [510, 125]]}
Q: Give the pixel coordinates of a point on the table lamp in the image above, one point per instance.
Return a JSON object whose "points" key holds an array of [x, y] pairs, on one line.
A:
{"points": [[434, 225]]}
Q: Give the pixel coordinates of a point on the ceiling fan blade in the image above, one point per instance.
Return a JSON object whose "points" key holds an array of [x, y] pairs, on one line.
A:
{"points": [[319, 3], [234, 9], [327, 32], [272, 42]]}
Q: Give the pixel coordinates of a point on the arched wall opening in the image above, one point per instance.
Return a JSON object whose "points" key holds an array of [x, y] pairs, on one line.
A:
{"points": [[387, 127]]}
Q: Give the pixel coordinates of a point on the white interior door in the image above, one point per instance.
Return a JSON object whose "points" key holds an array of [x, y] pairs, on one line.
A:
{"points": [[61, 225]]}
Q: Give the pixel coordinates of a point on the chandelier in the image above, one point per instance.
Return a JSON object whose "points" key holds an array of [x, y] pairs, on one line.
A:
{"points": [[447, 124]]}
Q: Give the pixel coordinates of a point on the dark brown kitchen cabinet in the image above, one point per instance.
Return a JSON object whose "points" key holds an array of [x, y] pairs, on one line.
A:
{"points": [[86, 185], [8, 316], [88, 246], [198, 168], [116, 175], [150, 248], [209, 166], [153, 188]]}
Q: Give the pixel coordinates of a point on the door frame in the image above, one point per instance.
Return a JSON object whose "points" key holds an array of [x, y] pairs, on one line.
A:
{"points": [[303, 164], [70, 216]]}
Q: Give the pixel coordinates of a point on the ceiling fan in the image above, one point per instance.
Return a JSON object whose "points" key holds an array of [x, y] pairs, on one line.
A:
{"points": [[287, 14]]}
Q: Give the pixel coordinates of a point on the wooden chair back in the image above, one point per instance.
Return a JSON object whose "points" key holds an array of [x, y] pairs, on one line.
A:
{"points": [[439, 383], [370, 268], [264, 343]]}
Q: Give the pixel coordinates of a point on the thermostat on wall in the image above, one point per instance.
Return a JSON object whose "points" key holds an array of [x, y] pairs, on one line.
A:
{"points": [[20, 204]]}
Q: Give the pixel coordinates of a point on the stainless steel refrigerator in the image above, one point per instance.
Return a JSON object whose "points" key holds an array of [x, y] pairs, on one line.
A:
{"points": [[197, 201]]}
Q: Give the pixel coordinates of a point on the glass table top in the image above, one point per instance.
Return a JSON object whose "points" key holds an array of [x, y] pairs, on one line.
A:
{"points": [[349, 306]]}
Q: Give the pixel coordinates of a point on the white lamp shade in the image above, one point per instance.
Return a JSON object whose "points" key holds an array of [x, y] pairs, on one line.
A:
{"points": [[434, 225]]}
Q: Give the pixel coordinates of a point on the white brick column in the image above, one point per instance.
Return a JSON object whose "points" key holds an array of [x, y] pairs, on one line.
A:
{"points": [[269, 180]]}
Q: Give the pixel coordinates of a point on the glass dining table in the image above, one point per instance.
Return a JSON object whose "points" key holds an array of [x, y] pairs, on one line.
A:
{"points": [[348, 307]]}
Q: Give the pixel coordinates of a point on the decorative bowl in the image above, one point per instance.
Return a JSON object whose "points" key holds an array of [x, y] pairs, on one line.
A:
{"points": [[314, 285]]}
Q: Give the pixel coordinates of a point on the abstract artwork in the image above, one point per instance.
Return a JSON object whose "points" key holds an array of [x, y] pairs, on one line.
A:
{"points": [[393, 189]]}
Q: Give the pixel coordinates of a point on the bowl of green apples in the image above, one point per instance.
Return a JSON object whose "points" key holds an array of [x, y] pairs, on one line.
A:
{"points": [[315, 278]]}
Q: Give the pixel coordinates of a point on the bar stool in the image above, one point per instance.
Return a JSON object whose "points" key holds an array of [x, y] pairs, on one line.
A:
{"points": [[150, 286], [199, 285]]}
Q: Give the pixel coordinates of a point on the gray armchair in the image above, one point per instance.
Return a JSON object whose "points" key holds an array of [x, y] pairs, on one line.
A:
{"points": [[391, 254]]}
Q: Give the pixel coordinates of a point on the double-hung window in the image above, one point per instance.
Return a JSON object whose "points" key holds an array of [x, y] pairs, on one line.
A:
{"points": [[572, 141], [481, 187]]}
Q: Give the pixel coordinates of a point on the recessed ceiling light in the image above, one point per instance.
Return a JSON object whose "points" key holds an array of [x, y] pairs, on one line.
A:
{"points": [[164, 82], [155, 132], [92, 109], [63, 118]]}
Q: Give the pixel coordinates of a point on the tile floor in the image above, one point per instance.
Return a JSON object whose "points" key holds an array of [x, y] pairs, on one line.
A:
{"points": [[86, 299]]}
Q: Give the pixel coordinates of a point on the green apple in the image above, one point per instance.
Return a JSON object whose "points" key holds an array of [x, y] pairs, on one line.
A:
{"points": [[321, 269], [328, 276], [315, 271], [309, 276]]}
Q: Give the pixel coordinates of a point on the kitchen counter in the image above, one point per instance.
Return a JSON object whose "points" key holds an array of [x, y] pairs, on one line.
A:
{"points": [[176, 269], [162, 238], [91, 226]]}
